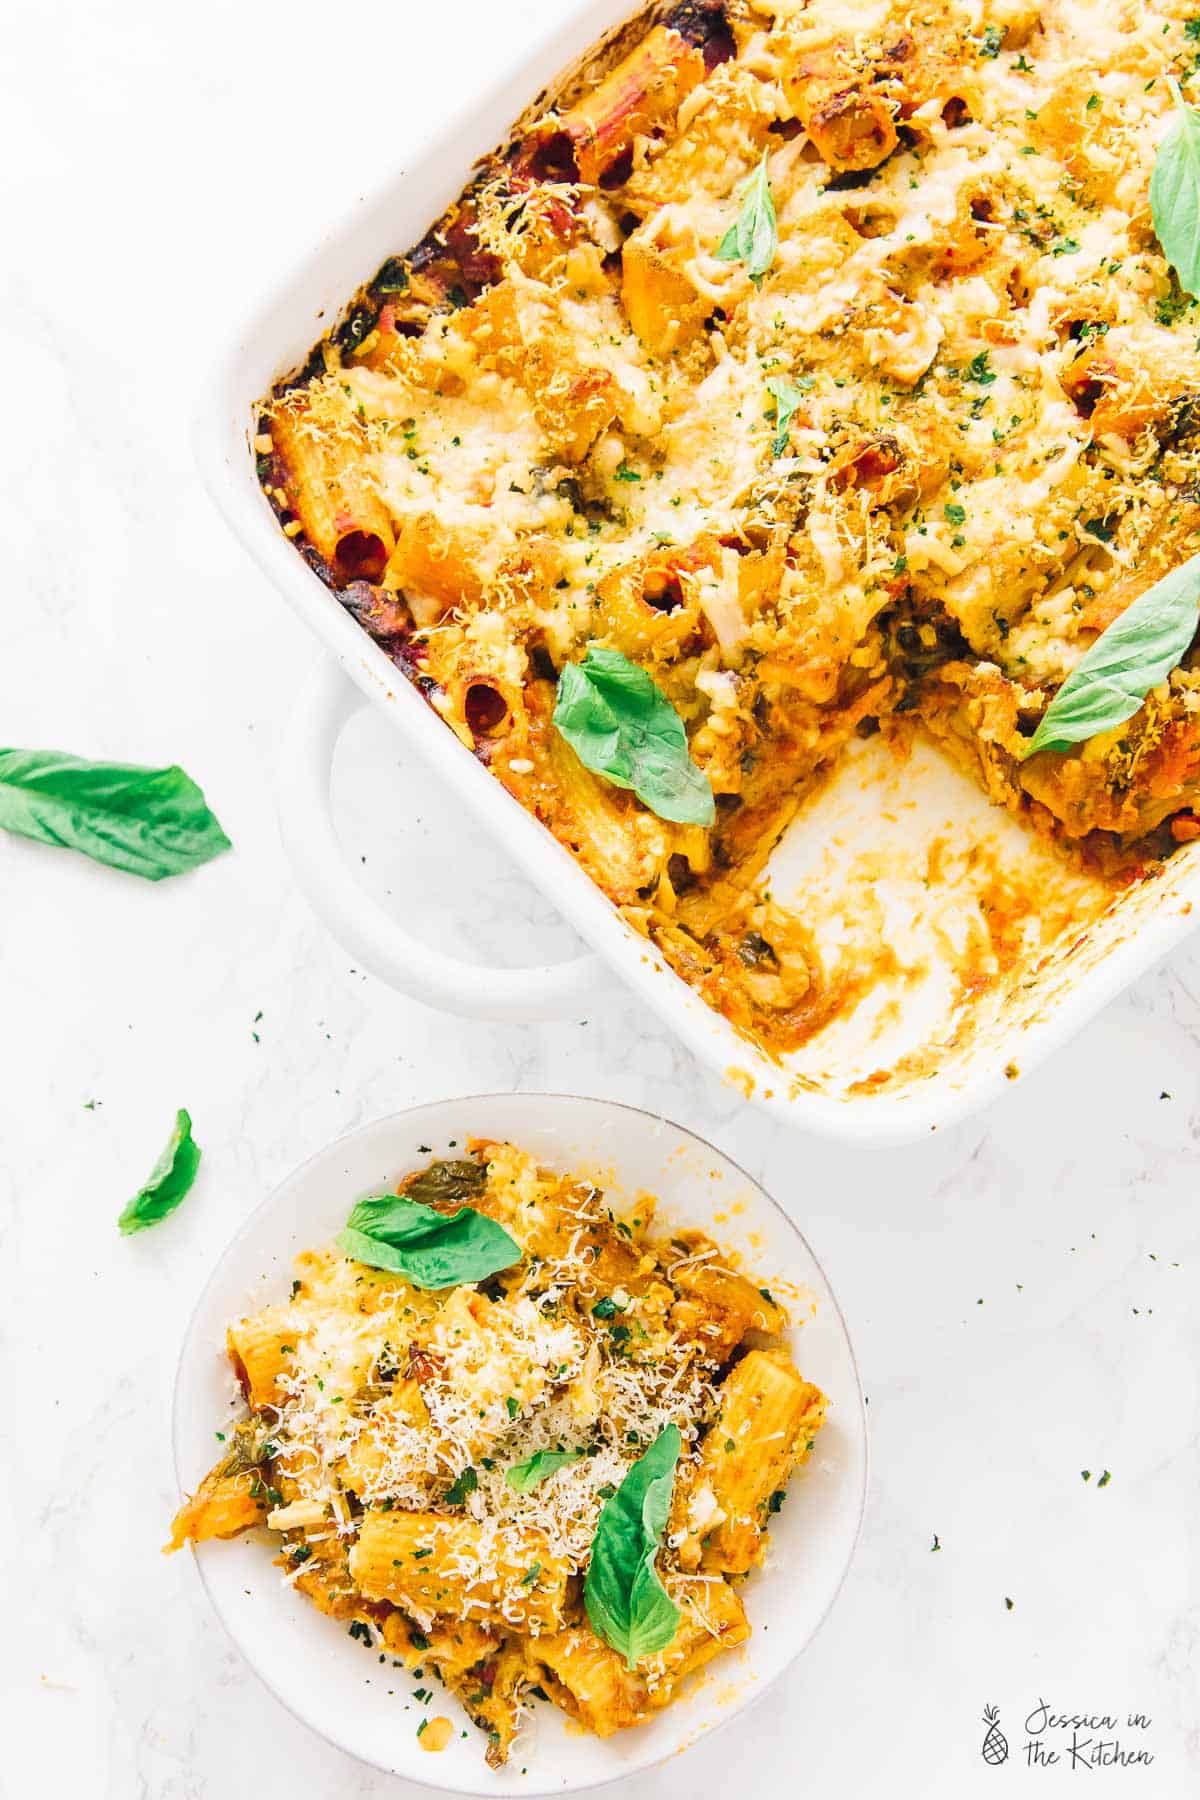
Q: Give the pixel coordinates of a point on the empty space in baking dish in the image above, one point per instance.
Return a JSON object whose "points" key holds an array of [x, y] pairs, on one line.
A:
{"points": [[930, 910]]}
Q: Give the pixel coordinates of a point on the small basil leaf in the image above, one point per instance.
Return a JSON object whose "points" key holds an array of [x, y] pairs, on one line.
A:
{"points": [[149, 822], [1175, 193], [167, 1182], [754, 238], [787, 397], [627, 1604], [430, 1249], [1113, 677], [523, 1477], [621, 726]]}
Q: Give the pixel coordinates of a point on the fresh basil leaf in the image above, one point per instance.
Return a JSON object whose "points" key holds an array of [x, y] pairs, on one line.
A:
{"points": [[167, 1182], [523, 1477], [149, 822], [1175, 193], [627, 1604], [430, 1249], [754, 237], [1113, 677], [787, 397], [621, 726]]}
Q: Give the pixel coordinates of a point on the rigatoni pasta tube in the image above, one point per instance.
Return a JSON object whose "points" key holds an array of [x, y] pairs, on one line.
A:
{"points": [[435, 1566], [591, 1681], [848, 119], [769, 1416], [261, 1349], [329, 491], [643, 91]]}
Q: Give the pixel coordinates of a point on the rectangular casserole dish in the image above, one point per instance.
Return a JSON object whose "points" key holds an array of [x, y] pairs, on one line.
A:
{"points": [[859, 1092]]}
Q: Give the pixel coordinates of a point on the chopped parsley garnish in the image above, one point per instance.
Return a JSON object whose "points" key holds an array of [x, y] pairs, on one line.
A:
{"points": [[462, 1485]]}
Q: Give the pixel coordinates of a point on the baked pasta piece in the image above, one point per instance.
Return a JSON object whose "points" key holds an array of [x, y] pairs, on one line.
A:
{"points": [[818, 365], [517, 1438]]}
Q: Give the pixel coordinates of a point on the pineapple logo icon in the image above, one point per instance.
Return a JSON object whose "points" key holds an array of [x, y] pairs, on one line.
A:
{"points": [[995, 1744]]}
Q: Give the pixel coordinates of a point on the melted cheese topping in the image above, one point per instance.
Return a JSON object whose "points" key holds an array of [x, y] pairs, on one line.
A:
{"points": [[992, 450]]}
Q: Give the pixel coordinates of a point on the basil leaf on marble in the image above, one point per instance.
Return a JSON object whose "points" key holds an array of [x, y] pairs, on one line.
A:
{"points": [[168, 1181], [148, 822]]}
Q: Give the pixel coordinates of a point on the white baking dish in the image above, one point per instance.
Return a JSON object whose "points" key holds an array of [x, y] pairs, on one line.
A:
{"points": [[822, 1088]]}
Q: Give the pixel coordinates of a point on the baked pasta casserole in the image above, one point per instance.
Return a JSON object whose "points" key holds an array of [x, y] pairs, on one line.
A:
{"points": [[517, 1440], [801, 371]]}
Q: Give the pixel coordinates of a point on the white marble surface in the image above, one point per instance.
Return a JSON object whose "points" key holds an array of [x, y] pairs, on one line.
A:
{"points": [[1022, 1291]]}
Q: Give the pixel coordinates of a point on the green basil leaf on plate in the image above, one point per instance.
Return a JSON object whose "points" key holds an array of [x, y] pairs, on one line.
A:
{"points": [[787, 396], [1113, 677], [753, 238], [627, 1604], [1175, 193], [429, 1249], [167, 1182], [149, 822], [621, 726], [523, 1477]]}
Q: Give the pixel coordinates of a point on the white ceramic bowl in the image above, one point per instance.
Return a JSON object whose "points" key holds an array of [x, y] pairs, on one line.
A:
{"points": [[341, 1689]]}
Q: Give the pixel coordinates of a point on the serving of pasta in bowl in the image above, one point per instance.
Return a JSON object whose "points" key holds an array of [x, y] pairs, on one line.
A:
{"points": [[520, 1442]]}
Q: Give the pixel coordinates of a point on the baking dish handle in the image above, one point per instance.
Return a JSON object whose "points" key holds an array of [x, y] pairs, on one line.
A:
{"points": [[380, 944]]}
